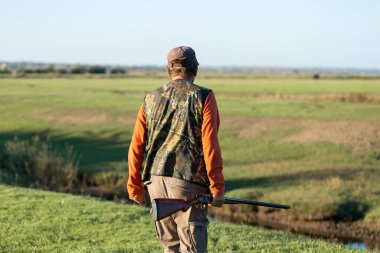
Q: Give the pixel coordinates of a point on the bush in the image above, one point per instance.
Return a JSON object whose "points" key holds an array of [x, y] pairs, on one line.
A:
{"points": [[96, 69], [117, 70], [350, 210], [77, 69], [38, 163], [61, 70]]}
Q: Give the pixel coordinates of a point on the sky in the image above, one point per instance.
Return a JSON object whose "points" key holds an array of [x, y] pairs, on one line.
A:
{"points": [[265, 33]]}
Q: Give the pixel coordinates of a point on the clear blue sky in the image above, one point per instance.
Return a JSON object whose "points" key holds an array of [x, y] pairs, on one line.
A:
{"points": [[293, 33]]}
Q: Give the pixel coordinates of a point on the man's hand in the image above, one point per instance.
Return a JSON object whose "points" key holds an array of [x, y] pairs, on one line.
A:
{"points": [[139, 199], [217, 201]]}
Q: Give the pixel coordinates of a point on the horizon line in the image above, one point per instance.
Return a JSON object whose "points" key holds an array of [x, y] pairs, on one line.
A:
{"points": [[208, 66]]}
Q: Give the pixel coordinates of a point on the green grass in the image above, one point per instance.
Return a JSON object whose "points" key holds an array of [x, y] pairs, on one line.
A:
{"points": [[297, 109], [40, 221], [374, 214], [246, 87], [97, 116]]}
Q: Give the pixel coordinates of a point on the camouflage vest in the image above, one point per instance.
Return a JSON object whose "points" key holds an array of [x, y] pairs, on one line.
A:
{"points": [[174, 148]]}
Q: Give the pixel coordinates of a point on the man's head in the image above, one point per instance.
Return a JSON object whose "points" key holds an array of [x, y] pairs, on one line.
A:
{"points": [[182, 63]]}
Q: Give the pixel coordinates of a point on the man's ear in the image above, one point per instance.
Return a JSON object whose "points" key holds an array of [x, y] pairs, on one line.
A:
{"points": [[167, 71]]}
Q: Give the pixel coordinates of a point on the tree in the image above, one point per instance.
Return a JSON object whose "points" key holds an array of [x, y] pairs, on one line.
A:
{"points": [[77, 69], [117, 70], [97, 69]]}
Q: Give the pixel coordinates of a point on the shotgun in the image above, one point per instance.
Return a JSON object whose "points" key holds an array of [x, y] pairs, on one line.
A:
{"points": [[162, 208]]}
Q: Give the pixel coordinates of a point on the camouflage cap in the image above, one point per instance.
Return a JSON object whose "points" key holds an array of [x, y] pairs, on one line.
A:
{"points": [[183, 55]]}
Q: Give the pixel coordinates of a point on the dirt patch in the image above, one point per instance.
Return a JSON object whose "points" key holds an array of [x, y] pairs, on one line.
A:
{"points": [[255, 127], [5, 101], [360, 135], [80, 117], [127, 120], [351, 97], [75, 117]]}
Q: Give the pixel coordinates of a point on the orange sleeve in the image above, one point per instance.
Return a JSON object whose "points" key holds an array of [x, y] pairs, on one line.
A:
{"points": [[136, 156], [211, 149]]}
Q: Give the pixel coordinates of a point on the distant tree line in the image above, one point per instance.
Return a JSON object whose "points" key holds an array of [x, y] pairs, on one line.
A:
{"points": [[57, 69]]}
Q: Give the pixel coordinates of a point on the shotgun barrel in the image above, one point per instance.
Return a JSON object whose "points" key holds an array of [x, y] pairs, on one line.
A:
{"points": [[162, 208], [228, 200]]}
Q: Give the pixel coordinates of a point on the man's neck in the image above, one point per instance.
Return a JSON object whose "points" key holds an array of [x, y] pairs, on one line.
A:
{"points": [[189, 79]]}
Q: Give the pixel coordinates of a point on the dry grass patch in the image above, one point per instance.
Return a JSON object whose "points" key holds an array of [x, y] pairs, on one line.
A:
{"points": [[360, 135], [351, 97], [83, 116], [73, 117]]}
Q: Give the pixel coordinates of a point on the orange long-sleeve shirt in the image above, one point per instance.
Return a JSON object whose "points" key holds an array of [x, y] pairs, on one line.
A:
{"points": [[211, 150]]}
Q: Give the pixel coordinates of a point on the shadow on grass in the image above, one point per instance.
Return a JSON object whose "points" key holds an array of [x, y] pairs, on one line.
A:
{"points": [[348, 208], [102, 168], [294, 178], [95, 153]]}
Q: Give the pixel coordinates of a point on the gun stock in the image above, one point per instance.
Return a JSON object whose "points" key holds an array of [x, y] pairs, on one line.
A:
{"points": [[162, 208]]}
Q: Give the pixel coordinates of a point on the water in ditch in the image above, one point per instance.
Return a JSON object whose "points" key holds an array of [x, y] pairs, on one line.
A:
{"points": [[356, 245]]}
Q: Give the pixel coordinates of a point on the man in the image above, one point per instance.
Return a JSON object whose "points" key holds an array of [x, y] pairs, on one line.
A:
{"points": [[177, 128]]}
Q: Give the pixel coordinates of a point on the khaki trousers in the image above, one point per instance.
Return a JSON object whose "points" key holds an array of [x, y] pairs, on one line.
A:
{"points": [[182, 231]]}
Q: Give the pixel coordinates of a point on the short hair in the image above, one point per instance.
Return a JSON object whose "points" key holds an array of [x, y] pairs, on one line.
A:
{"points": [[178, 69]]}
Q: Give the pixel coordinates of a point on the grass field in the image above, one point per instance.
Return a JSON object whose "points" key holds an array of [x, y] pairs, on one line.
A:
{"points": [[40, 221], [302, 151], [314, 144]]}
